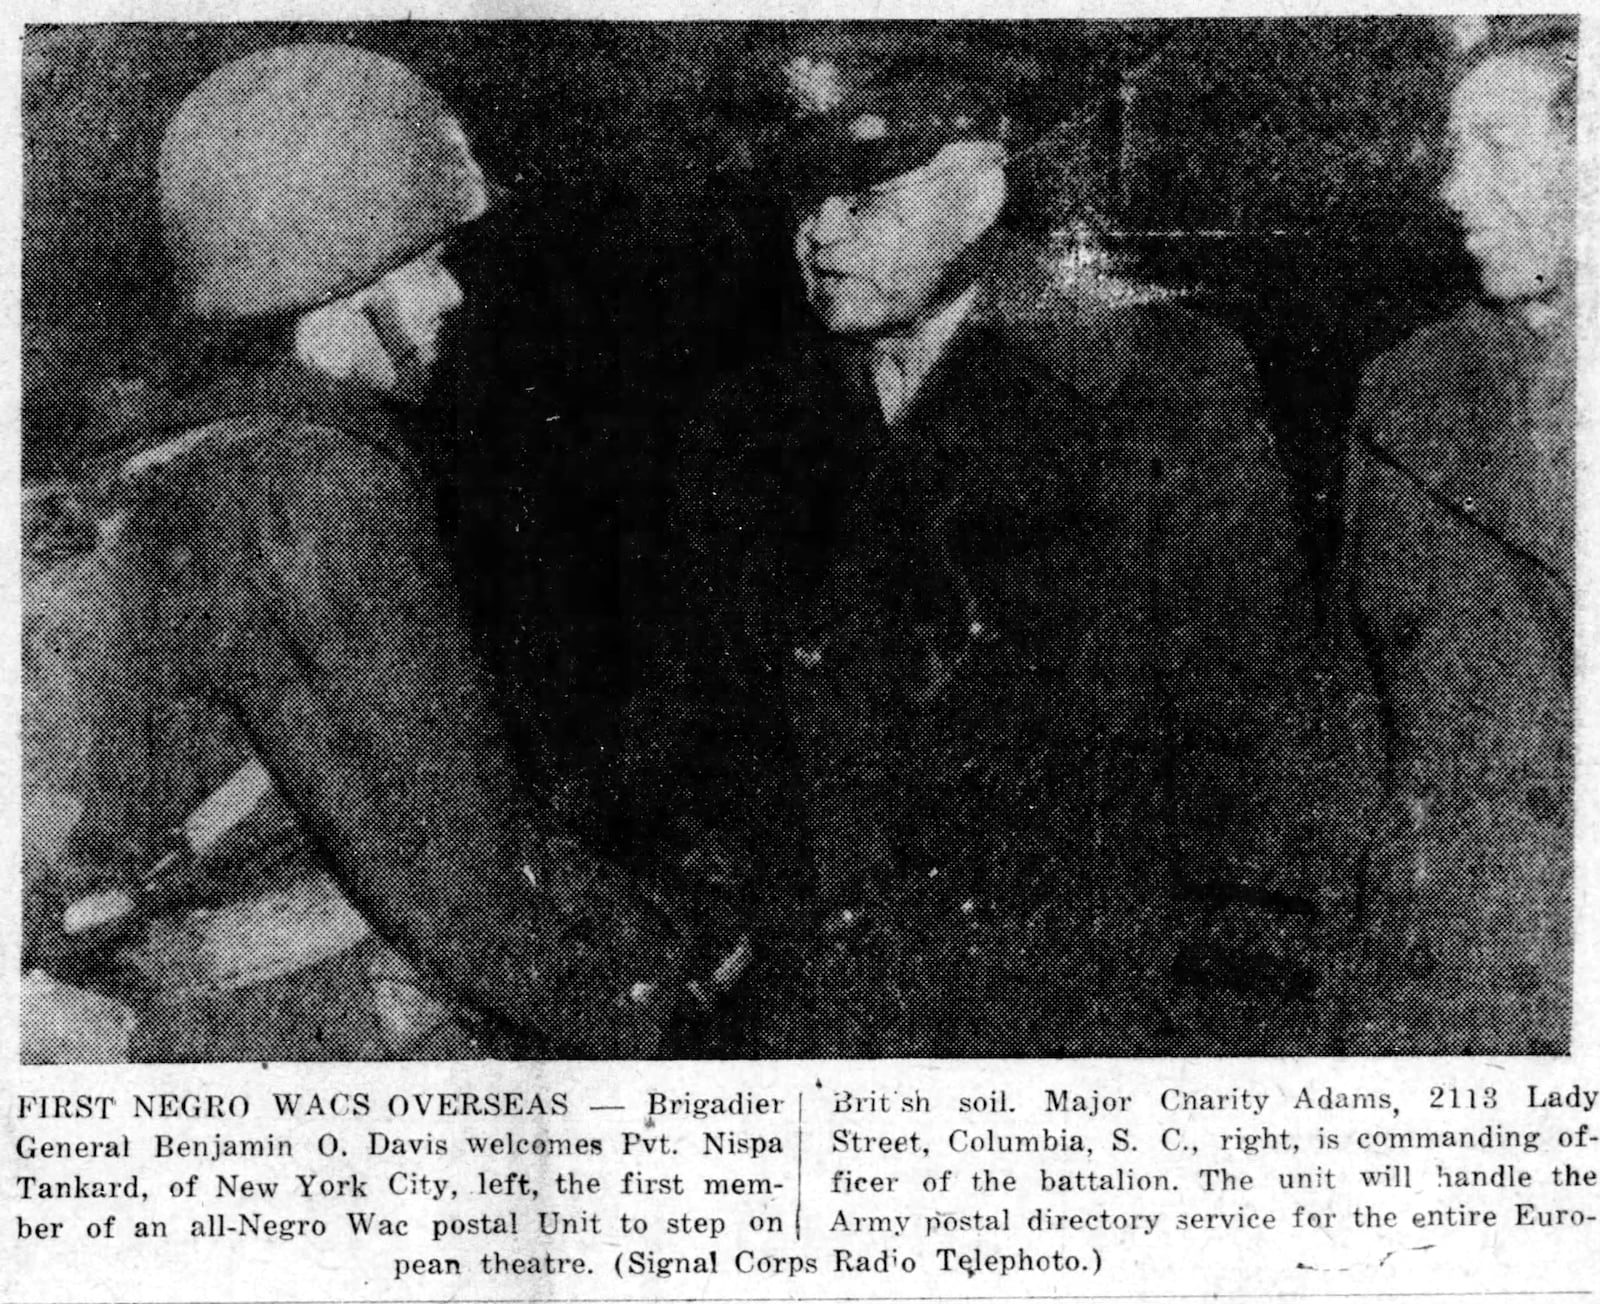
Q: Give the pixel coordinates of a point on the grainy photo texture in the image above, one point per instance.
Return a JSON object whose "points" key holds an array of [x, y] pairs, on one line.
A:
{"points": [[748, 540]]}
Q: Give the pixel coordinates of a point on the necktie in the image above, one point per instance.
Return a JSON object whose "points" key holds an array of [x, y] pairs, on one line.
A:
{"points": [[891, 376]]}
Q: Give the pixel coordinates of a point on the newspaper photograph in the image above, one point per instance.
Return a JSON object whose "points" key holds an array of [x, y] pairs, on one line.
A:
{"points": [[797, 653]]}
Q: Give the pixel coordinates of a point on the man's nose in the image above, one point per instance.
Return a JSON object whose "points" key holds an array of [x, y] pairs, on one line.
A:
{"points": [[1450, 188], [832, 220], [451, 295], [1462, 187]]}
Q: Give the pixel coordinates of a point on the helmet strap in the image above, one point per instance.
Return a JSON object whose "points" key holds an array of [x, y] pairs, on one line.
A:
{"points": [[405, 358], [341, 340]]}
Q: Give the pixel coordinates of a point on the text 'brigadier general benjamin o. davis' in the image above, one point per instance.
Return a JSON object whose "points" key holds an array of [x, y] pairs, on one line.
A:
{"points": [[252, 611], [990, 591]]}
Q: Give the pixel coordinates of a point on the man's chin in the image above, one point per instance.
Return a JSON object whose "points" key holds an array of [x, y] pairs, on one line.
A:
{"points": [[845, 316], [1514, 285]]}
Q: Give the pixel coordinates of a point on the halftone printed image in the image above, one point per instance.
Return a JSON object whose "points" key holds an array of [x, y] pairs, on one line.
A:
{"points": [[810, 540]]}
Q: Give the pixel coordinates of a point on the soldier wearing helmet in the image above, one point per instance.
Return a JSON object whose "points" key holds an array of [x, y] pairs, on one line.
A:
{"points": [[254, 722]]}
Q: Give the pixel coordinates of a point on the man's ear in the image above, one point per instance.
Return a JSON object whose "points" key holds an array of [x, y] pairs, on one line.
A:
{"points": [[984, 187], [338, 340]]}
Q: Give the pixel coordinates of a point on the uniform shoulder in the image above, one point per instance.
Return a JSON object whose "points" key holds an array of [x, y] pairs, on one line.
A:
{"points": [[179, 470], [1170, 330], [298, 445], [1198, 374], [1407, 391], [217, 476], [180, 451], [1426, 358], [1160, 345], [274, 415]]}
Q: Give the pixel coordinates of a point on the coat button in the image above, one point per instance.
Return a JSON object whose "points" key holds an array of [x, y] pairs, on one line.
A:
{"points": [[1420, 961], [1544, 805]]}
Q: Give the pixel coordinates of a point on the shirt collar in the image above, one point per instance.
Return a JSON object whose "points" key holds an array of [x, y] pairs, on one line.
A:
{"points": [[294, 390], [925, 345], [912, 356]]}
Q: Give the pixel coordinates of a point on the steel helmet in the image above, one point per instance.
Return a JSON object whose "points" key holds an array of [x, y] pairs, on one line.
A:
{"points": [[302, 173]]}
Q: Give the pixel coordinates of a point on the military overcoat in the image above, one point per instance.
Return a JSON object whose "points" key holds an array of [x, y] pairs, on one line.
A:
{"points": [[1459, 562], [1040, 653]]}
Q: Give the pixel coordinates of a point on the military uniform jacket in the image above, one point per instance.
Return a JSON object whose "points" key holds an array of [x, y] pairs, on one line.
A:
{"points": [[273, 587], [1047, 637], [1459, 566]]}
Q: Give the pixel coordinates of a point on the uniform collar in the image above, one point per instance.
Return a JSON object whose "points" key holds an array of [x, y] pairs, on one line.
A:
{"points": [[924, 345], [916, 354], [292, 390], [1487, 466], [1015, 307]]}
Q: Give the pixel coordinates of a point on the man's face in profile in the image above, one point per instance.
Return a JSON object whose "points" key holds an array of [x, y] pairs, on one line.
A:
{"points": [[1512, 177], [408, 309], [877, 261]]}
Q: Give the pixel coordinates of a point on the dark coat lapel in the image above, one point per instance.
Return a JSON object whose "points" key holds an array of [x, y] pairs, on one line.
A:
{"points": [[1465, 441]]}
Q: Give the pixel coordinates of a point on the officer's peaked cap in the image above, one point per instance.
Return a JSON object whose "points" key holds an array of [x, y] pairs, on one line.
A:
{"points": [[893, 119]]}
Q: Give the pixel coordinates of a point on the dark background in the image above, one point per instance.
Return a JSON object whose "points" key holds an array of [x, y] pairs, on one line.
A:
{"points": [[1280, 174]]}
